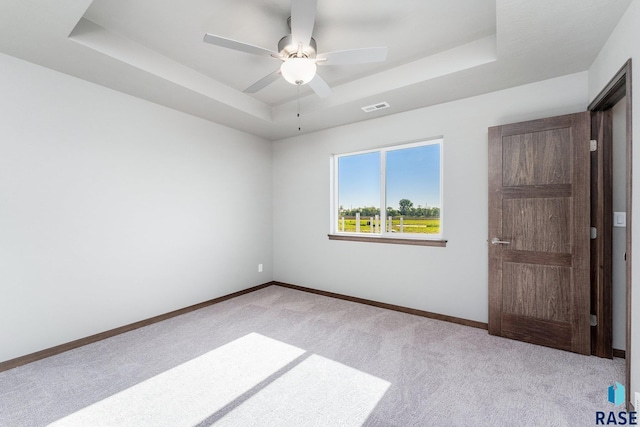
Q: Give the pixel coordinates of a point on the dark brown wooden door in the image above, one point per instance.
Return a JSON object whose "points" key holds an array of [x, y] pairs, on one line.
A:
{"points": [[539, 232]]}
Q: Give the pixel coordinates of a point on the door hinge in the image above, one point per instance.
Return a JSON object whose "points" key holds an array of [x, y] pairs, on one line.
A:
{"points": [[594, 232], [593, 145], [594, 320]]}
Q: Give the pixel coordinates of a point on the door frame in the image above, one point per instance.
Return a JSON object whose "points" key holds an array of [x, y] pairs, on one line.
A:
{"points": [[601, 267], [617, 88]]}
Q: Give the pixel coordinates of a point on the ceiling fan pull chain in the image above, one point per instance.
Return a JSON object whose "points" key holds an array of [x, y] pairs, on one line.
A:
{"points": [[298, 97]]}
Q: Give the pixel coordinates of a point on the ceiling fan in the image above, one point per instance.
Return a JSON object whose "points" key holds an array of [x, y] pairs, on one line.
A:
{"points": [[298, 52]]}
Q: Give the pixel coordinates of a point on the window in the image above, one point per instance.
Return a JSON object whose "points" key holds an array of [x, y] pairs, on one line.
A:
{"points": [[405, 179]]}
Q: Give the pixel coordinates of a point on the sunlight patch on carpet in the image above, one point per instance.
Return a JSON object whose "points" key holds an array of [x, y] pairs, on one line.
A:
{"points": [[252, 381]]}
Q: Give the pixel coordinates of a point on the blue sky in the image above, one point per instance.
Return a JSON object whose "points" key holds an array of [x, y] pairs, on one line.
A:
{"points": [[412, 173]]}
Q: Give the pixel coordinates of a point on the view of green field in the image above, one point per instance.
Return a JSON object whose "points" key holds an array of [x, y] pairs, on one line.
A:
{"points": [[410, 225]]}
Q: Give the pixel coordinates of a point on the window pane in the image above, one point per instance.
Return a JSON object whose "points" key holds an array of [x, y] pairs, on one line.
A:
{"points": [[359, 193], [413, 190]]}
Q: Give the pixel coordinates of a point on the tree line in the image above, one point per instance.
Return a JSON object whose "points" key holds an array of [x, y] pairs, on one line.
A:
{"points": [[406, 208]]}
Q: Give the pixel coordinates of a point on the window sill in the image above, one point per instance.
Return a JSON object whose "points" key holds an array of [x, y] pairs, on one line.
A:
{"points": [[392, 240]]}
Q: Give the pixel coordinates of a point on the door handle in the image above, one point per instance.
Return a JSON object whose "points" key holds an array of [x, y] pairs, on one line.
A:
{"points": [[496, 241]]}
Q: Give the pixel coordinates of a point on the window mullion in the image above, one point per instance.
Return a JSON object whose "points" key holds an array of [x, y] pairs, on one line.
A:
{"points": [[335, 207], [383, 192]]}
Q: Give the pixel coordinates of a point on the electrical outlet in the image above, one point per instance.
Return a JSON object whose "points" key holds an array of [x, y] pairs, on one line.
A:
{"points": [[637, 404], [259, 268]]}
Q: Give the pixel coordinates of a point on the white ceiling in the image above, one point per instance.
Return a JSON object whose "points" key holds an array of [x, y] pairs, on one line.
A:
{"points": [[438, 51]]}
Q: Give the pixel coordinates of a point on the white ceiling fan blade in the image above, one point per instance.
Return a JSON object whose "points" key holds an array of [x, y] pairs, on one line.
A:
{"points": [[303, 16], [320, 87], [263, 82], [236, 45], [353, 56]]}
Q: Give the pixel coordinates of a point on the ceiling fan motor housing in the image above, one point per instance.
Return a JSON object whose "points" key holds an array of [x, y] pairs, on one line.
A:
{"points": [[288, 48]]}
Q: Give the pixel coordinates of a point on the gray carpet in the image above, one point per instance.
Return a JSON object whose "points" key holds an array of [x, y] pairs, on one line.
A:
{"points": [[278, 357]]}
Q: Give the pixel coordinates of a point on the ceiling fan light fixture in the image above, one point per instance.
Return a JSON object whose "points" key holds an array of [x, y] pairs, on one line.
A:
{"points": [[298, 71]]}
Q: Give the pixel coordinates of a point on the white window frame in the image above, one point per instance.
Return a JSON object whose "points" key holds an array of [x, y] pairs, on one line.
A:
{"points": [[384, 234]]}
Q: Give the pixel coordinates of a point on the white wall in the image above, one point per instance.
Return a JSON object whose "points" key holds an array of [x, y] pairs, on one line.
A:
{"points": [[451, 280], [622, 45], [114, 209]]}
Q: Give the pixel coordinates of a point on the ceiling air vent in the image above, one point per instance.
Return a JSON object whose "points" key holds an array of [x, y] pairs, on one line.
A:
{"points": [[374, 107]]}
